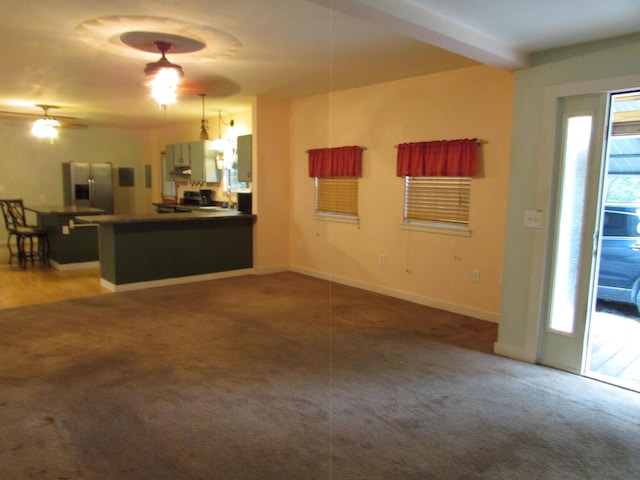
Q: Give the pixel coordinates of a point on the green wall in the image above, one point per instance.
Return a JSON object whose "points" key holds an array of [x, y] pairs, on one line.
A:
{"points": [[608, 66], [32, 168]]}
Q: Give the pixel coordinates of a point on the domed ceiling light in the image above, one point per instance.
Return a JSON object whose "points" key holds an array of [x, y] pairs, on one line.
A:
{"points": [[165, 77]]}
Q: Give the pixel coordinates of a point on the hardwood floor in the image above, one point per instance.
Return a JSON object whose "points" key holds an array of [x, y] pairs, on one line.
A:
{"points": [[39, 283], [615, 345]]}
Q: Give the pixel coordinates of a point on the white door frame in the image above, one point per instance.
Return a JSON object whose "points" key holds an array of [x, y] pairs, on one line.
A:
{"points": [[542, 245]]}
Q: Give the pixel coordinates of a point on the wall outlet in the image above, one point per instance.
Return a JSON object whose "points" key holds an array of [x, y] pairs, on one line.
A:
{"points": [[475, 275], [533, 218], [65, 230], [43, 198], [299, 245], [381, 259]]}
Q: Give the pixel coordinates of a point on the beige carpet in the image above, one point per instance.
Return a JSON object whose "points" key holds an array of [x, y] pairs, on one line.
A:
{"points": [[289, 377]]}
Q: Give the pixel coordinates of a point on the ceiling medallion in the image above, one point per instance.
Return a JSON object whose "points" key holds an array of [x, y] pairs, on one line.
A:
{"points": [[129, 36]]}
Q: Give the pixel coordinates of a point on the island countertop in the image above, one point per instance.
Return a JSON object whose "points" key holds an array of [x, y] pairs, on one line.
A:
{"points": [[69, 247], [216, 213], [140, 250], [64, 210]]}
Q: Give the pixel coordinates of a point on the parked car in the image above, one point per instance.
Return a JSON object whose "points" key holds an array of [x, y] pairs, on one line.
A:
{"points": [[619, 274]]}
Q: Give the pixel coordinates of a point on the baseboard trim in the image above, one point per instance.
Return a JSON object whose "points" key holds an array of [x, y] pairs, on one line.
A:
{"points": [[166, 282], [402, 295], [510, 351], [74, 266], [269, 270]]}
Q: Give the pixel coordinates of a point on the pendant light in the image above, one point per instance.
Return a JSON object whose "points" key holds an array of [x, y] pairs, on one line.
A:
{"points": [[219, 144], [204, 123], [165, 77]]}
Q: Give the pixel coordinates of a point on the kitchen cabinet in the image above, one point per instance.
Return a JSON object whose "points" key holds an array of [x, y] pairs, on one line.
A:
{"points": [[177, 155], [203, 163], [244, 155], [167, 164]]}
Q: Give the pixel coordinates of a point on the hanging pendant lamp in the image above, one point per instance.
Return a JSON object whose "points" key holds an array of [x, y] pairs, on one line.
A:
{"points": [[219, 144], [204, 123]]}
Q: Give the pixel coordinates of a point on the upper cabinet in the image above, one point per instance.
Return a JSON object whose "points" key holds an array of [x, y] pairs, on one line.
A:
{"points": [[203, 163], [196, 156], [178, 154], [244, 158]]}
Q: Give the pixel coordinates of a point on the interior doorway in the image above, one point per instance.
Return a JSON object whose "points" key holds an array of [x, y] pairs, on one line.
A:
{"points": [[613, 351]]}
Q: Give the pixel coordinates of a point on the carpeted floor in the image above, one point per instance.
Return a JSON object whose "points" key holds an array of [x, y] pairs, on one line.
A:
{"points": [[290, 377]]}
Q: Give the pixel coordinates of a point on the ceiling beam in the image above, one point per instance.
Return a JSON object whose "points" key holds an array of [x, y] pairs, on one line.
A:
{"points": [[413, 20]]}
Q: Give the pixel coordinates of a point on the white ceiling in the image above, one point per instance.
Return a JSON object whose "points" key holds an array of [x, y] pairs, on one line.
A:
{"points": [[58, 53]]}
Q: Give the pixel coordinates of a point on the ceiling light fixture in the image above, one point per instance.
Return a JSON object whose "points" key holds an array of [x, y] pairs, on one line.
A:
{"points": [[204, 123], [45, 127], [166, 76]]}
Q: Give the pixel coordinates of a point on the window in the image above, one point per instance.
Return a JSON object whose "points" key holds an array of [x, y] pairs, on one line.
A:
{"points": [[621, 221], [336, 197], [438, 202]]}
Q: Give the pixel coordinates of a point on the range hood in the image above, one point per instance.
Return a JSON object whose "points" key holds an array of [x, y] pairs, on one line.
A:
{"points": [[182, 170]]}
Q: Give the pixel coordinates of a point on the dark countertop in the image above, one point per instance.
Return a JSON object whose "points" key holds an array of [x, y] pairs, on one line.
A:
{"points": [[211, 213], [64, 210], [192, 208]]}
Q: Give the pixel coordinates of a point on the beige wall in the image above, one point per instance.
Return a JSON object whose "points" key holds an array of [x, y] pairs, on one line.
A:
{"points": [[429, 268], [271, 190]]}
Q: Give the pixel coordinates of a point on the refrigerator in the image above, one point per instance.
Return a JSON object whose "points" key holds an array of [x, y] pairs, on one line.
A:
{"points": [[88, 185]]}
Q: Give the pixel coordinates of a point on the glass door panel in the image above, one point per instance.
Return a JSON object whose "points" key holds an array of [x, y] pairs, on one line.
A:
{"points": [[570, 224], [575, 206]]}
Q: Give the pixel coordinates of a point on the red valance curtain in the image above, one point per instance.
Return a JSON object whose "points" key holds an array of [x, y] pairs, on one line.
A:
{"points": [[335, 162], [441, 158]]}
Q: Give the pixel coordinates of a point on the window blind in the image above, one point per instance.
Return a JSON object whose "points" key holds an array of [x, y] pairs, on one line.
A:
{"points": [[442, 201], [337, 195]]}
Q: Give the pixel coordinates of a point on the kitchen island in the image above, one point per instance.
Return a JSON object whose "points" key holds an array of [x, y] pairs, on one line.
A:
{"points": [[139, 251], [69, 247]]}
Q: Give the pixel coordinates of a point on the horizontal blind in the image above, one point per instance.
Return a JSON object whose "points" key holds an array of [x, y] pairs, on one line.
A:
{"points": [[437, 200], [337, 195]]}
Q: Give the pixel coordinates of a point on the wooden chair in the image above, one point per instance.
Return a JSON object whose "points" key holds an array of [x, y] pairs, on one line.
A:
{"points": [[16, 225]]}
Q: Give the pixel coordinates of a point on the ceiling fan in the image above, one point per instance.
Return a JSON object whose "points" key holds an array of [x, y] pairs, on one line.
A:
{"points": [[46, 125]]}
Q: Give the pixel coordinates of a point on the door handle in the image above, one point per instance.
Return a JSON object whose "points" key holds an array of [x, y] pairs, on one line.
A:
{"points": [[635, 246]]}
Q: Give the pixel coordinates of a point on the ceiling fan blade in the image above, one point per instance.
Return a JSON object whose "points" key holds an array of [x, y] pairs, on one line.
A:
{"points": [[6, 113], [65, 121], [69, 124]]}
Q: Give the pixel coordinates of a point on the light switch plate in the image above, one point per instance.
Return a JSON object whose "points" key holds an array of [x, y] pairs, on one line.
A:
{"points": [[533, 218]]}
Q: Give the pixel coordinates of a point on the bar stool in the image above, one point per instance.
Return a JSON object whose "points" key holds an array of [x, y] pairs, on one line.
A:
{"points": [[16, 225]]}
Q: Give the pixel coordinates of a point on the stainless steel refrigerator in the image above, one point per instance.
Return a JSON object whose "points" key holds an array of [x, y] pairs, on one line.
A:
{"points": [[88, 185]]}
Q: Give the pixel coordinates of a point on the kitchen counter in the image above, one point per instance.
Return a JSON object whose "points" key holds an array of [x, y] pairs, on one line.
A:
{"points": [[154, 249], [201, 213], [165, 207], [69, 247], [64, 210]]}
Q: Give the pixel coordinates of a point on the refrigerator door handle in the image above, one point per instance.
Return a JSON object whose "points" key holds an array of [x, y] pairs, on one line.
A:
{"points": [[91, 191]]}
